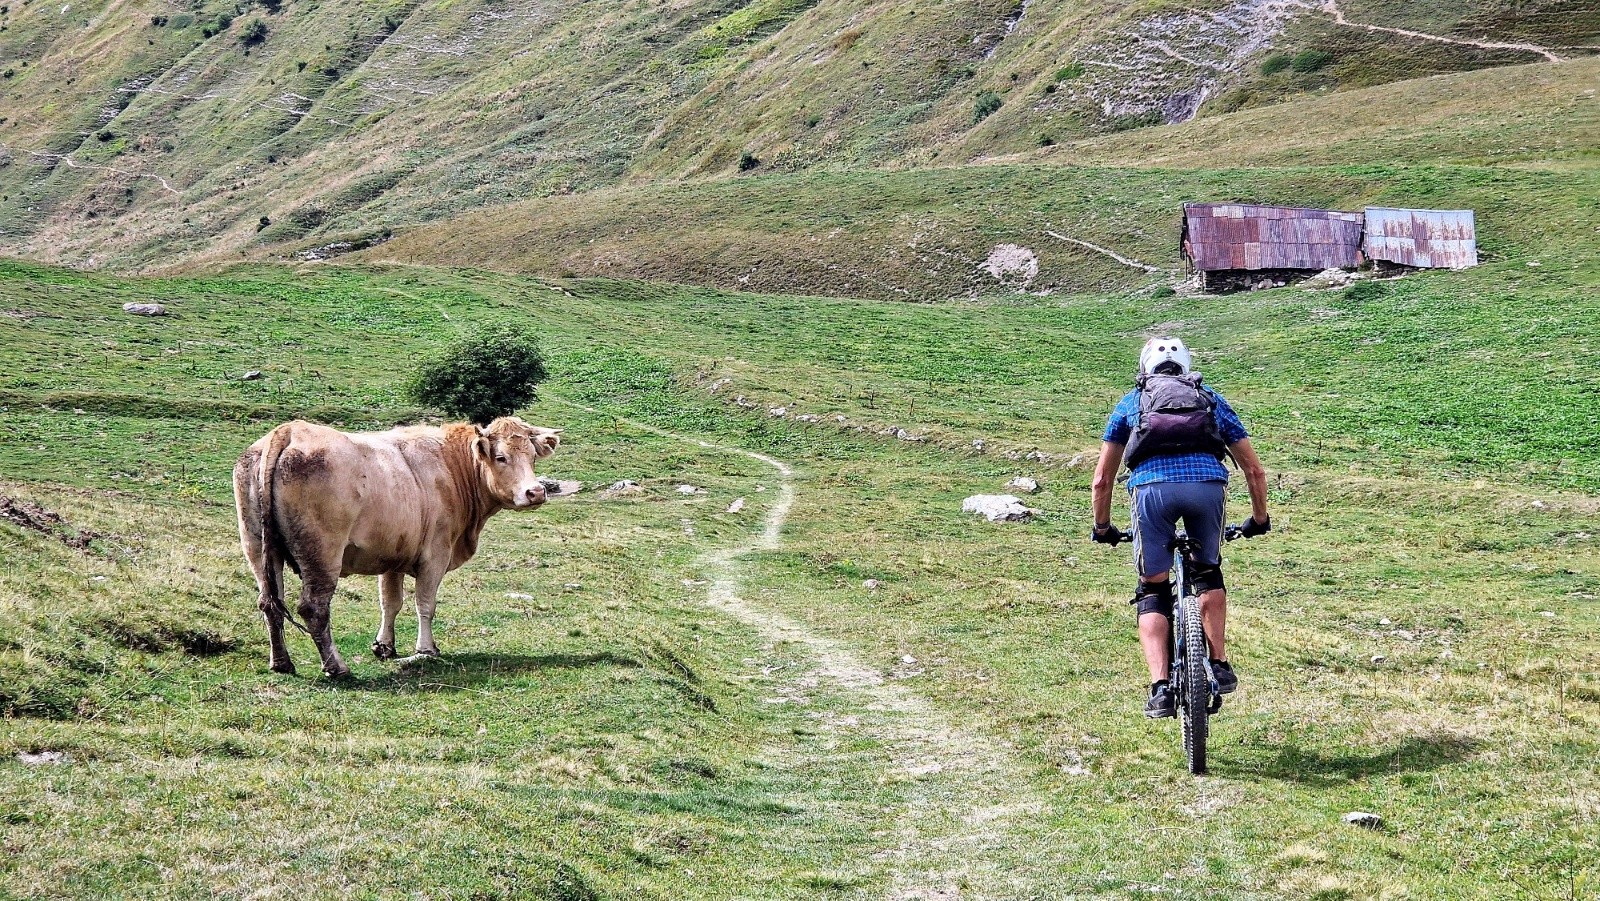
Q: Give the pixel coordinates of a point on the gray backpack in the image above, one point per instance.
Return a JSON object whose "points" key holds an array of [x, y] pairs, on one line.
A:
{"points": [[1176, 416]]}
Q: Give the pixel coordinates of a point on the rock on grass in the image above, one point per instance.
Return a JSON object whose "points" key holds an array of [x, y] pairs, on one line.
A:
{"points": [[998, 507]]}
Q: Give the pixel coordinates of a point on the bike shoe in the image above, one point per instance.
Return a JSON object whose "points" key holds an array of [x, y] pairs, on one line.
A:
{"points": [[1160, 705], [1226, 680]]}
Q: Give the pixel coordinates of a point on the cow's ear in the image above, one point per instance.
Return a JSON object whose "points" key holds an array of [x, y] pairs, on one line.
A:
{"points": [[546, 444], [482, 447]]}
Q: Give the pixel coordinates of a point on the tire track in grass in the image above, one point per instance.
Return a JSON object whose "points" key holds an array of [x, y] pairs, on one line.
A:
{"points": [[966, 792]]}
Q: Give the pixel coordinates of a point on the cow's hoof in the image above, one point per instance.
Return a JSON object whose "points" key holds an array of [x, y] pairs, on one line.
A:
{"points": [[428, 652], [282, 666], [337, 674], [383, 651]]}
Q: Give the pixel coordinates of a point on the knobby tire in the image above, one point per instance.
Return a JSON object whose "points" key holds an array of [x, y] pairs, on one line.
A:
{"points": [[1196, 697]]}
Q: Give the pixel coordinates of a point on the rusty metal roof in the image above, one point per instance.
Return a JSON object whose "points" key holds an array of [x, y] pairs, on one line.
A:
{"points": [[1433, 239], [1248, 236]]}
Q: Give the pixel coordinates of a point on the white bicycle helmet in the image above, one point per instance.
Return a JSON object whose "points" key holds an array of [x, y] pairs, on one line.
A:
{"points": [[1164, 350]]}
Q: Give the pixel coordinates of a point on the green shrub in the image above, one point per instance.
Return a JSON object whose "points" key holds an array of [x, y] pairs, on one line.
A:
{"points": [[1311, 60], [1276, 63], [984, 105], [1069, 72], [488, 373], [748, 161], [253, 33]]}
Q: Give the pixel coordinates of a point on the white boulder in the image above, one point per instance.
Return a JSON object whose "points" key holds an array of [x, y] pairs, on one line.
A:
{"points": [[1024, 485], [998, 507]]}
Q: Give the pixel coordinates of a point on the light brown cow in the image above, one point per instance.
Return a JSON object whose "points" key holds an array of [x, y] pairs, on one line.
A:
{"points": [[409, 501]]}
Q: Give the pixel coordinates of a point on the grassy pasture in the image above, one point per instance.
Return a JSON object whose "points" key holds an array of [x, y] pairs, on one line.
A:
{"points": [[612, 735]]}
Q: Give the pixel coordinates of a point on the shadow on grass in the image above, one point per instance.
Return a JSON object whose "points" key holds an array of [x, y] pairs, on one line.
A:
{"points": [[1294, 763], [461, 672]]}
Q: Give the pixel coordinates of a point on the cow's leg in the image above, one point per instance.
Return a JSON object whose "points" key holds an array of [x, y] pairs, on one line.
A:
{"points": [[279, 660], [391, 596], [266, 566], [271, 608], [318, 581], [427, 597]]}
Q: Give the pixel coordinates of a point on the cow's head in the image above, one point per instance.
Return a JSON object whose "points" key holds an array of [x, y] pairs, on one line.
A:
{"points": [[507, 448]]}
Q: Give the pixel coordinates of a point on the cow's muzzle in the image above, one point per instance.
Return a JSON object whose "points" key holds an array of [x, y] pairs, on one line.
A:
{"points": [[532, 497]]}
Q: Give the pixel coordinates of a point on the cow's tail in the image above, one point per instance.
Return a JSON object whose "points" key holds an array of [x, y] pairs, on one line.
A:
{"points": [[272, 541]]}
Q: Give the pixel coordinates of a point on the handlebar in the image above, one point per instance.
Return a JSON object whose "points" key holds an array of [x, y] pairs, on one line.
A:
{"points": [[1115, 536], [1231, 532]]}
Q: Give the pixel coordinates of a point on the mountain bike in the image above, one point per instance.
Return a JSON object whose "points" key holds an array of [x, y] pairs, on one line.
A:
{"points": [[1194, 685]]}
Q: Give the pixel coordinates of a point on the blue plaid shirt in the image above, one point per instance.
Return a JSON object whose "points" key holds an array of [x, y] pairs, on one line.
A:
{"points": [[1196, 467]]}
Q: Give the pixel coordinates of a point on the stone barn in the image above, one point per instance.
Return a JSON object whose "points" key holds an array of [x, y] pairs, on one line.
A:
{"points": [[1420, 239], [1234, 246]]}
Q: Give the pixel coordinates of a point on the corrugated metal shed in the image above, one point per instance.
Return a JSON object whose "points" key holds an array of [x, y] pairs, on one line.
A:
{"points": [[1223, 236], [1427, 239]]}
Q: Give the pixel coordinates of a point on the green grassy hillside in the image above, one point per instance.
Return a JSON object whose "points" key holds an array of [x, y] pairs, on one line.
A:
{"points": [[136, 137], [1414, 636]]}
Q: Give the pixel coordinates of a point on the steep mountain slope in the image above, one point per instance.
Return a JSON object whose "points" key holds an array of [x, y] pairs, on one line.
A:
{"points": [[136, 135], [1515, 144]]}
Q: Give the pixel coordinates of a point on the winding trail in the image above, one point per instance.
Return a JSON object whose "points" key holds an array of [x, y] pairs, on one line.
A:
{"points": [[964, 791], [1331, 7], [71, 163]]}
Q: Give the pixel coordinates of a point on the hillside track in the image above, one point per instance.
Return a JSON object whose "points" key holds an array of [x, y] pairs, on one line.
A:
{"points": [[965, 794], [1331, 8]]}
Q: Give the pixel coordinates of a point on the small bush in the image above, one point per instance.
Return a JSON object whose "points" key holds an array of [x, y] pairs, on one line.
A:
{"points": [[1164, 291], [984, 105], [1069, 72], [271, 6], [488, 373], [1276, 63], [1046, 141], [748, 161], [158, 21], [1310, 60], [812, 120], [262, 223], [253, 33]]}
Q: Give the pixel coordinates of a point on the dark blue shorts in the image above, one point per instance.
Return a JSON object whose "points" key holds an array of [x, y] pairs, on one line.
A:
{"points": [[1157, 509]]}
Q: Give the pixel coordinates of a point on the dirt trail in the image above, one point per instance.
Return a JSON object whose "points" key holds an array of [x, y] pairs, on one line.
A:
{"points": [[1331, 7], [964, 792], [1126, 261]]}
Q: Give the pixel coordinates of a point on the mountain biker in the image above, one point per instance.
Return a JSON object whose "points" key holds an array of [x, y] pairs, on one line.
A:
{"points": [[1174, 450]]}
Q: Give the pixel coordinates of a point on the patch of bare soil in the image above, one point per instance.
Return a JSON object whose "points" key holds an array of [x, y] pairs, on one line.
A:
{"points": [[31, 516]]}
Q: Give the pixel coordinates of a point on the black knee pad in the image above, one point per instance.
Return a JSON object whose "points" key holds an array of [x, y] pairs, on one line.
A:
{"points": [[1153, 597], [1204, 577]]}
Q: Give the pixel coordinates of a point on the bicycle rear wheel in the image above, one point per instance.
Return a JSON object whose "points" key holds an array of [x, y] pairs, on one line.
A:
{"points": [[1196, 697]]}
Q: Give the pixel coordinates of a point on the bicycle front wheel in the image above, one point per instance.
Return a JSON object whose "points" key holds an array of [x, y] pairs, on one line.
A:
{"points": [[1196, 699]]}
